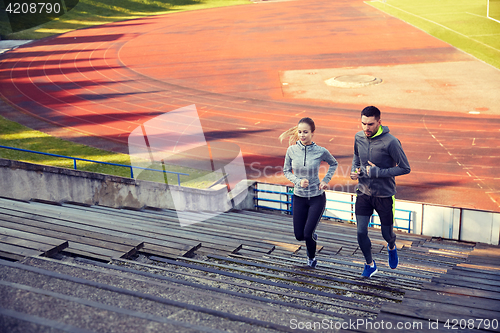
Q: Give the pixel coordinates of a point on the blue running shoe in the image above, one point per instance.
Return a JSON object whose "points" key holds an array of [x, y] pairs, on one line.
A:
{"points": [[312, 262], [393, 257], [369, 271]]}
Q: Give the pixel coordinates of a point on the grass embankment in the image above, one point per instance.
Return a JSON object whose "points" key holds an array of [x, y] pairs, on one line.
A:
{"points": [[461, 23], [15, 135], [89, 13]]}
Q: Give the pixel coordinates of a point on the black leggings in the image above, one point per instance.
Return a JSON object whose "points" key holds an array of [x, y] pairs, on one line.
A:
{"points": [[306, 215], [364, 241]]}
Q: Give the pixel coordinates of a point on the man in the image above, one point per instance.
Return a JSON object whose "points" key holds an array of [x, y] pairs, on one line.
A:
{"points": [[378, 158]]}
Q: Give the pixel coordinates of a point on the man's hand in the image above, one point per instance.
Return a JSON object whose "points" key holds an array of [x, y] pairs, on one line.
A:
{"points": [[368, 168], [323, 186], [355, 174], [304, 183]]}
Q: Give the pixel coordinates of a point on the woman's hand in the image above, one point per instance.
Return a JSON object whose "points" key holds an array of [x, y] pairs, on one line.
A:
{"points": [[323, 186], [304, 183]]}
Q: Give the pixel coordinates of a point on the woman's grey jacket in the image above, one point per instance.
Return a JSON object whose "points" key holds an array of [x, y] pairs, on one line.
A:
{"points": [[305, 161]]}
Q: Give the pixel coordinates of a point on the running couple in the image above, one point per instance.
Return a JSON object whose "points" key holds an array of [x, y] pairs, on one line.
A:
{"points": [[378, 158]]}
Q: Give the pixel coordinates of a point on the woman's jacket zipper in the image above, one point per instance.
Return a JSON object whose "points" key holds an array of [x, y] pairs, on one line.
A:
{"points": [[305, 154]]}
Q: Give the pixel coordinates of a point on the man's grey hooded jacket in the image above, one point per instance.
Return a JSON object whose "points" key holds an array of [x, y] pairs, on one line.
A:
{"points": [[385, 151]]}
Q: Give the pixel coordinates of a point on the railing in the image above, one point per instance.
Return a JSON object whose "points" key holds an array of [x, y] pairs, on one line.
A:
{"points": [[289, 207], [288, 202], [179, 174]]}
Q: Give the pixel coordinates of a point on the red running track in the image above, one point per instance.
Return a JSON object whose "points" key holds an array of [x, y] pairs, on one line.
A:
{"points": [[106, 81]]}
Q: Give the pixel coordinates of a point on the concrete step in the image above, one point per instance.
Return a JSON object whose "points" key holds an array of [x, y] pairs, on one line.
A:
{"points": [[75, 287]]}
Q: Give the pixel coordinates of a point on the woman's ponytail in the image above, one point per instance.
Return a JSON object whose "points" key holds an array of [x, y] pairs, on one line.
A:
{"points": [[291, 134]]}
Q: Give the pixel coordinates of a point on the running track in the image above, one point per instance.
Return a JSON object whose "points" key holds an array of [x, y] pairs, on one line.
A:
{"points": [[106, 81]]}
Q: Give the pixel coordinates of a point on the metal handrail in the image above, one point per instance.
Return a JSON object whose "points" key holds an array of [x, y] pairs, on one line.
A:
{"points": [[99, 162]]}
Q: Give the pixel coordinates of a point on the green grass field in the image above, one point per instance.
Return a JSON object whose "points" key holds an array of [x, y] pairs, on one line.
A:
{"points": [[461, 23], [494, 10]]}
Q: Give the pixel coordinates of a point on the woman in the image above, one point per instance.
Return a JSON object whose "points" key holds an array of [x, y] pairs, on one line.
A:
{"points": [[309, 200]]}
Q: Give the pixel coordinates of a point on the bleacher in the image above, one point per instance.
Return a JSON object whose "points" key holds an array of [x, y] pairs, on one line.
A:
{"points": [[75, 268]]}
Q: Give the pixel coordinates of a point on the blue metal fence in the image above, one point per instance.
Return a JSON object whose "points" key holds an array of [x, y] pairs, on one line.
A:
{"points": [[287, 202], [289, 205], [179, 174]]}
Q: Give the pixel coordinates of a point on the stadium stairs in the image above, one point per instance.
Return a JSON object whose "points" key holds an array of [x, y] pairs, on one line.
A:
{"points": [[66, 267]]}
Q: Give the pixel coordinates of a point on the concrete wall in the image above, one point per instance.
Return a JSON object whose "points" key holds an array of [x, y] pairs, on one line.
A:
{"points": [[26, 181]]}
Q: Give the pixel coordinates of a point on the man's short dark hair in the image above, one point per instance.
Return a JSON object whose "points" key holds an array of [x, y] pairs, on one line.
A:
{"points": [[371, 111]]}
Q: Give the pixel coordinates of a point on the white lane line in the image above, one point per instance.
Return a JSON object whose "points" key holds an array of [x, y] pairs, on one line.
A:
{"points": [[481, 16], [464, 167]]}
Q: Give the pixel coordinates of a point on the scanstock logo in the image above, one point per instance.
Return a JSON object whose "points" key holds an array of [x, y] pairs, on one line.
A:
{"points": [[176, 139], [18, 15]]}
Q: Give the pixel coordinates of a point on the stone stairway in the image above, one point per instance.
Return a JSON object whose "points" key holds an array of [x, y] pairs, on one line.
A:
{"points": [[73, 268]]}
